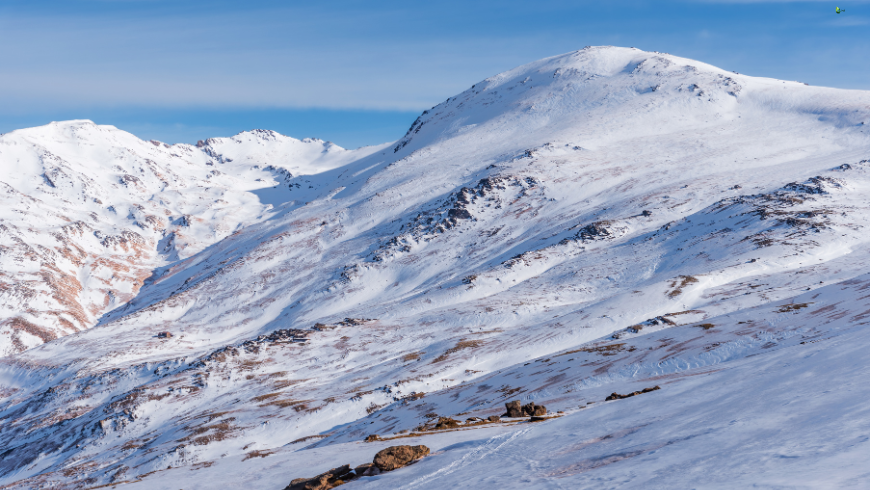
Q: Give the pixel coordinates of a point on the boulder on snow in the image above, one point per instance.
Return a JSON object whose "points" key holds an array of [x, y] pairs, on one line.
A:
{"points": [[514, 409], [398, 456], [367, 469], [493, 418], [324, 481], [446, 423]]}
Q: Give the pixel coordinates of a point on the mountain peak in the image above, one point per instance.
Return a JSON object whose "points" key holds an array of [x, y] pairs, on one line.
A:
{"points": [[625, 88]]}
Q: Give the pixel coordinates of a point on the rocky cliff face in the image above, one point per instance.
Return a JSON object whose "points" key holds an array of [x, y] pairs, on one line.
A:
{"points": [[601, 222]]}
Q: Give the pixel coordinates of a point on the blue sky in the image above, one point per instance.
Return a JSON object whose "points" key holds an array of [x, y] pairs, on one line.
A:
{"points": [[358, 72]]}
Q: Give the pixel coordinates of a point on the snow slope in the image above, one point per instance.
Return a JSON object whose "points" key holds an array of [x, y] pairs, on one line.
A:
{"points": [[89, 211], [596, 222]]}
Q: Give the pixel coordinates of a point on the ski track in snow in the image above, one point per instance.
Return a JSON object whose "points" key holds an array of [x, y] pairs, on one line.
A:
{"points": [[487, 449]]}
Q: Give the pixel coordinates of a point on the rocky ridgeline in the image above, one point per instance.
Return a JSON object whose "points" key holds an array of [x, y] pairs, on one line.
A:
{"points": [[389, 459], [281, 336], [461, 206], [791, 205]]}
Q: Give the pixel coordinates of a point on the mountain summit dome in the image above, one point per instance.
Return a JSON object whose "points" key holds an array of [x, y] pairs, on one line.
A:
{"points": [[607, 91]]}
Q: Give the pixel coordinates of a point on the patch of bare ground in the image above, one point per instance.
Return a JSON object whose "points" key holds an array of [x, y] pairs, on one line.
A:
{"points": [[678, 284], [207, 434], [297, 405], [284, 383], [132, 444], [258, 453], [374, 407], [706, 326], [792, 307], [413, 356], [687, 312], [462, 344], [413, 397], [212, 415], [507, 391], [18, 323], [268, 396], [308, 438], [604, 350], [62, 415]]}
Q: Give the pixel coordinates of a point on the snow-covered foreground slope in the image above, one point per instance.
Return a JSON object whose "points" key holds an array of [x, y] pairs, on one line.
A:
{"points": [[89, 211], [765, 399], [602, 221]]}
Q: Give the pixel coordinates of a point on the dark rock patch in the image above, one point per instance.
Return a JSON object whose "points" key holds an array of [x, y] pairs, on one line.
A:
{"points": [[395, 457], [389, 459], [617, 396], [324, 481], [516, 410], [446, 423]]}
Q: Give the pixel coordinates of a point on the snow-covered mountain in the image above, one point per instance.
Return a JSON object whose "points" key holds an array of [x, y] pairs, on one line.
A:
{"points": [[88, 212], [602, 221]]}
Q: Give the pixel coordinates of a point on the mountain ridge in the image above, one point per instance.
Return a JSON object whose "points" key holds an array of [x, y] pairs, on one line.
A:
{"points": [[91, 182]]}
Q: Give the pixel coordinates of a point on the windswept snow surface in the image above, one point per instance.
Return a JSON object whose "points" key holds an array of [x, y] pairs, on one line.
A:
{"points": [[601, 221]]}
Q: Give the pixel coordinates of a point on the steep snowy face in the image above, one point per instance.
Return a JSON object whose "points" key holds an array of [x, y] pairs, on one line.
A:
{"points": [[89, 211], [605, 220]]}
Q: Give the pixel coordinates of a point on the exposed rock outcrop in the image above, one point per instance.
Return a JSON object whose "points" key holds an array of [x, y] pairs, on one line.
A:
{"points": [[389, 459], [515, 409], [324, 481], [395, 457], [446, 423], [617, 396]]}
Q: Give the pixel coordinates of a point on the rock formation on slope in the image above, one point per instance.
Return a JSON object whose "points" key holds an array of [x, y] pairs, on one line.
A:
{"points": [[491, 254]]}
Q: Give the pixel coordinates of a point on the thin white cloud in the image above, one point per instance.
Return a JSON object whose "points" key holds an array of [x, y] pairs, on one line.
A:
{"points": [[243, 60]]}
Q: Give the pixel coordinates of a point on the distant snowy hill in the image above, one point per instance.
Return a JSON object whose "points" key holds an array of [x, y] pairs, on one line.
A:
{"points": [[598, 222], [88, 212]]}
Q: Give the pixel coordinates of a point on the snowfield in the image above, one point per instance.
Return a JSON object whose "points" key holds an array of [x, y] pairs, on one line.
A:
{"points": [[599, 222]]}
